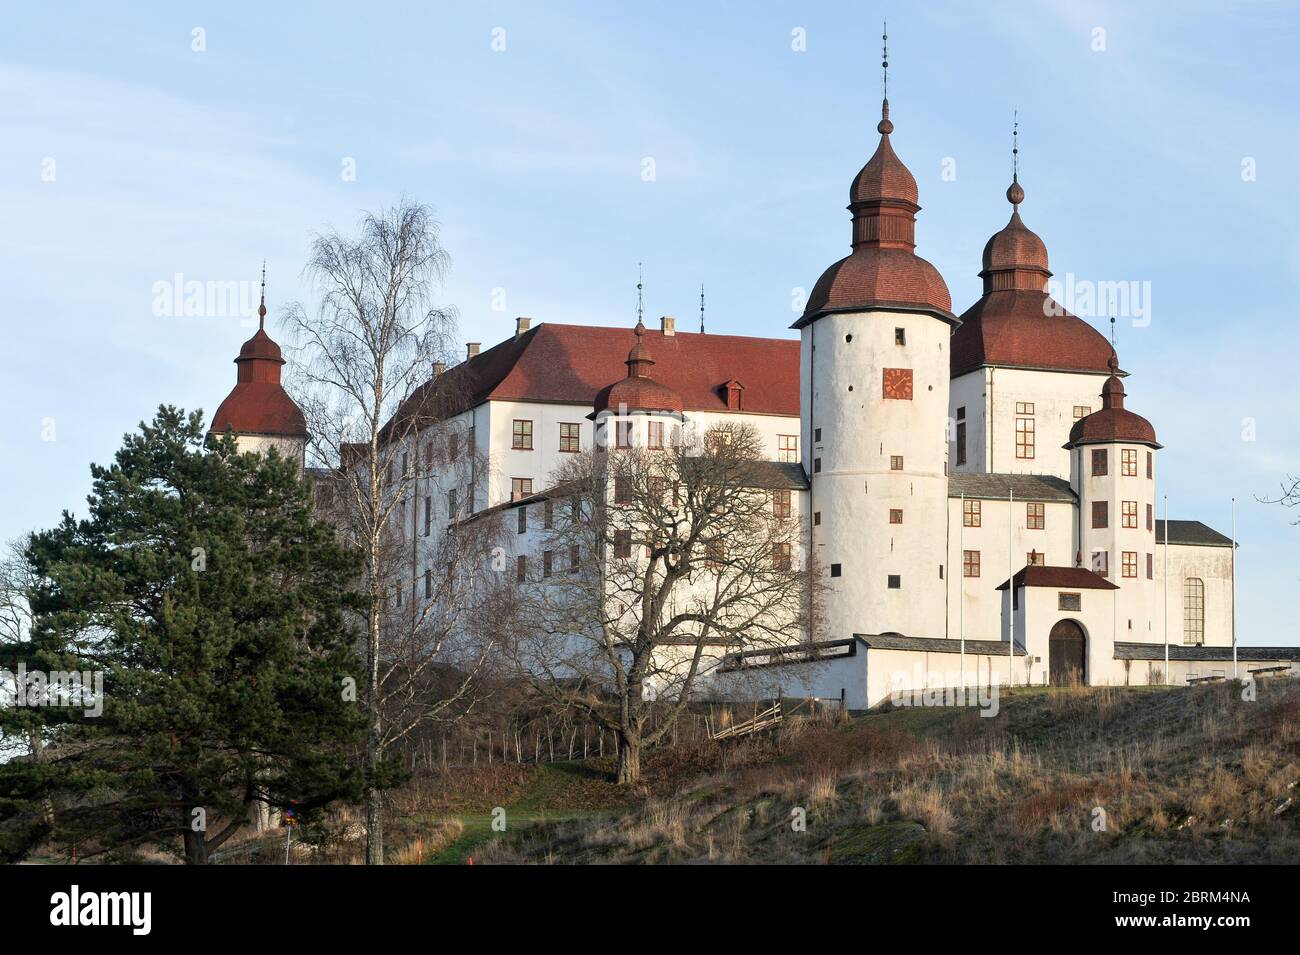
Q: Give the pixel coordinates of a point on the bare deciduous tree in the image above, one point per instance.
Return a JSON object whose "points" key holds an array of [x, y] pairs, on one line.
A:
{"points": [[389, 453], [654, 562], [1288, 494], [17, 582]]}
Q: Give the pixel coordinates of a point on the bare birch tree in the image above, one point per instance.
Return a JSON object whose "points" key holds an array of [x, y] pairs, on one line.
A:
{"points": [[394, 468], [657, 561]]}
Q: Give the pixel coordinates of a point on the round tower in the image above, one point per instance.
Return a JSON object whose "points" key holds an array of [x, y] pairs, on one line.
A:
{"points": [[1112, 465], [874, 406], [258, 409]]}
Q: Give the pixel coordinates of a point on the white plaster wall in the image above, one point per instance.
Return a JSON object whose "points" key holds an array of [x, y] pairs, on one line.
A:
{"points": [[990, 396], [855, 488], [824, 680], [890, 670], [1136, 604], [871, 677], [540, 464], [292, 448], [982, 602], [769, 427], [968, 391], [1213, 565], [1040, 612]]}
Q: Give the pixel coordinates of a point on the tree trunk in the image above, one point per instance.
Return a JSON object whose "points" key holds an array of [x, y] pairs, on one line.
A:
{"points": [[196, 844], [629, 759], [374, 742], [374, 829]]}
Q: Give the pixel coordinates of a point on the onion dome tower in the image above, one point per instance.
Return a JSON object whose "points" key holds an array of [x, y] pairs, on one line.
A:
{"points": [[637, 411], [874, 406], [883, 270], [1018, 350], [1113, 423], [1015, 323], [638, 393], [258, 409], [1112, 465]]}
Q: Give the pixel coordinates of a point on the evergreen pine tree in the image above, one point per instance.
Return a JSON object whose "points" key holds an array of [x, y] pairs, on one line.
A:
{"points": [[219, 612]]}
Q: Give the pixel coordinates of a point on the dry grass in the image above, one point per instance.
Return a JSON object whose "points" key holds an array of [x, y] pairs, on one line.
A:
{"points": [[426, 844], [1073, 775]]}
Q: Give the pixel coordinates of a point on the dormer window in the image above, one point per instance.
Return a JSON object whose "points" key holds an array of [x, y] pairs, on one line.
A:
{"points": [[733, 393]]}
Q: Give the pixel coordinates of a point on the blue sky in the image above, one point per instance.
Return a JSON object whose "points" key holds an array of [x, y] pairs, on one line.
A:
{"points": [[168, 160]]}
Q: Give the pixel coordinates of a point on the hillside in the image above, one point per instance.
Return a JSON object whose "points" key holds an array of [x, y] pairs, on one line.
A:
{"points": [[1183, 775]]}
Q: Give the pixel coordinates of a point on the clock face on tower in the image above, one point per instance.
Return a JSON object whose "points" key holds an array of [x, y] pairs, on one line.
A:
{"points": [[898, 383]]}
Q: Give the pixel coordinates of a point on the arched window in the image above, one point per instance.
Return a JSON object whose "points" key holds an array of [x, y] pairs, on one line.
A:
{"points": [[1194, 611]]}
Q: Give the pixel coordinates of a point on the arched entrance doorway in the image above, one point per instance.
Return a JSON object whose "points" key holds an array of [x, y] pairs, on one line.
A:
{"points": [[1067, 662]]}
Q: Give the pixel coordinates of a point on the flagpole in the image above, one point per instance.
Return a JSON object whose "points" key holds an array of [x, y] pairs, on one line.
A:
{"points": [[1166, 575], [961, 587], [1011, 585], [1233, 571]]}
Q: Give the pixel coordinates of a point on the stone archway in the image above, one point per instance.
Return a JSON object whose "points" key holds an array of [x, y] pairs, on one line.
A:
{"points": [[1067, 659]]}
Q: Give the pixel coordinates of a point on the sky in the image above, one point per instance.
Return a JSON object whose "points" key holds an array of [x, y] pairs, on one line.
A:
{"points": [[561, 145]]}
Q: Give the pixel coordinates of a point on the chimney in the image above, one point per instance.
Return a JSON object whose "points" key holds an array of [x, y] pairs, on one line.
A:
{"points": [[438, 368], [668, 325], [521, 325], [471, 350]]}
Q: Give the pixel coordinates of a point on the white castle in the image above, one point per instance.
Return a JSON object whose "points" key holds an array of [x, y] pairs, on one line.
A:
{"points": [[974, 488]]}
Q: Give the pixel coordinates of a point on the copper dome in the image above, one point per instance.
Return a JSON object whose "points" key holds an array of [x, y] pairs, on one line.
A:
{"points": [[1015, 257], [1113, 422], [884, 176], [879, 278], [1015, 323], [260, 346], [638, 391], [1016, 247]]}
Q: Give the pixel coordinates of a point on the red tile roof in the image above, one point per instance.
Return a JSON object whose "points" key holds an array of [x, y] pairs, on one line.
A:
{"points": [[1074, 578], [874, 277], [1025, 328], [572, 364]]}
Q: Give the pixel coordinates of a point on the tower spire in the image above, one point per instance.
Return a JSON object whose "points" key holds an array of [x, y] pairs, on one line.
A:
{"points": [[261, 308], [885, 126], [701, 308], [1015, 192], [1015, 145], [639, 309]]}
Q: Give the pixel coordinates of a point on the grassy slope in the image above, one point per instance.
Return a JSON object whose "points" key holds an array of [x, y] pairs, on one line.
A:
{"points": [[1189, 774]]}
